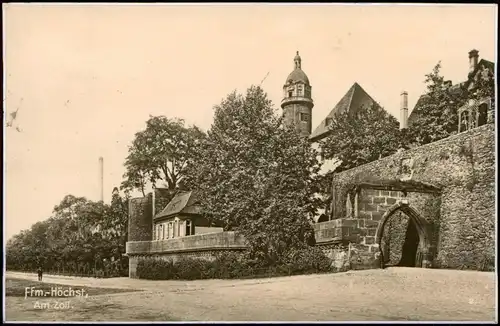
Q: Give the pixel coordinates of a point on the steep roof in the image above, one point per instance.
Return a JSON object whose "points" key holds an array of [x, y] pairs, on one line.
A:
{"points": [[455, 89], [184, 202], [355, 97]]}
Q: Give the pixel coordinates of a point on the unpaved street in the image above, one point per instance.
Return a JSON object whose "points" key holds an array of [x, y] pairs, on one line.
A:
{"points": [[391, 294]]}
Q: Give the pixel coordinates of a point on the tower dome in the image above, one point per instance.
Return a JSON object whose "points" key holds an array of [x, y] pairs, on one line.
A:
{"points": [[297, 75]]}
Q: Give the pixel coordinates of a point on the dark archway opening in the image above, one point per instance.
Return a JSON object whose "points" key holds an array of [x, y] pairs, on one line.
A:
{"points": [[410, 246], [403, 238]]}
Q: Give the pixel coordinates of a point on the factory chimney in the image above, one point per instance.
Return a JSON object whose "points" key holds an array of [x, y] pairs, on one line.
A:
{"points": [[101, 178], [403, 124]]}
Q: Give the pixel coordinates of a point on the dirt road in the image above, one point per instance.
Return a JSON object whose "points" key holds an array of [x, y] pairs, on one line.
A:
{"points": [[375, 295]]}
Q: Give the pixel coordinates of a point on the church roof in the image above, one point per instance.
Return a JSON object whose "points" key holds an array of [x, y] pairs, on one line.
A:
{"points": [[184, 202], [298, 75], [355, 97]]}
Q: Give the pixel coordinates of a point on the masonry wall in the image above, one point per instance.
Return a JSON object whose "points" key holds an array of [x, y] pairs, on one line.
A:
{"points": [[463, 166], [373, 204], [204, 246]]}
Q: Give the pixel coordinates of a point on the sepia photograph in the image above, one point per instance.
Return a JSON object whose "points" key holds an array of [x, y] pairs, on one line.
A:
{"points": [[249, 162]]}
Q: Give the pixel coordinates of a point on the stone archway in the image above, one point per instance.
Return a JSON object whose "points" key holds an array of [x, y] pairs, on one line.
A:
{"points": [[423, 229]]}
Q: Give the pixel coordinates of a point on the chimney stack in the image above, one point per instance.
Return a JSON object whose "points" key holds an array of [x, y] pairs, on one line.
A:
{"points": [[473, 59], [101, 178], [403, 124]]}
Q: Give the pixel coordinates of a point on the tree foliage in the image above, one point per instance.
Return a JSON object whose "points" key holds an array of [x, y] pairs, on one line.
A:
{"points": [[161, 153], [436, 116], [361, 137], [75, 239], [256, 177]]}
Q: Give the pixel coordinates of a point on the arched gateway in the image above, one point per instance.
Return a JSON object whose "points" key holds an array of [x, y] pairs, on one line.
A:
{"points": [[423, 229]]}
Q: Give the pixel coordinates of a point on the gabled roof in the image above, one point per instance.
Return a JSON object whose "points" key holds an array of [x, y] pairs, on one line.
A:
{"points": [[455, 89], [184, 202], [350, 102]]}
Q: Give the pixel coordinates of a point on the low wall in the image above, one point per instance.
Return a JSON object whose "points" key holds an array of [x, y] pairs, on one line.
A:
{"points": [[204, 246]]}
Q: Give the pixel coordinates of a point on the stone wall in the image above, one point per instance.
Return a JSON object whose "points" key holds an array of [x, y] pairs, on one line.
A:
{"points": [[348, 242], [204, 246], [373, 204], [463, 215]]}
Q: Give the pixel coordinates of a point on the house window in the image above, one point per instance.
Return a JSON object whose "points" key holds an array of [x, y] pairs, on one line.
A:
{"points": [[169, 230], [188, 227], [304, 117], [163, 231], [483, 115], [178, 228]]}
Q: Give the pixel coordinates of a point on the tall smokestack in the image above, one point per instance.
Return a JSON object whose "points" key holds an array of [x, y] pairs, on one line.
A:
{"points": [[403, 124], [101, 178]]}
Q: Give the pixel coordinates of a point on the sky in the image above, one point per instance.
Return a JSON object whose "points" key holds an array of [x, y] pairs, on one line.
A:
{"points": [[85, 78]]}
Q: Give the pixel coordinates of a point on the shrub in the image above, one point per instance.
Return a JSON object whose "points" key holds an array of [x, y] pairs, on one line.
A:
{"points": [[309, 260], [155, 269], [193, 269], [232, 265]]}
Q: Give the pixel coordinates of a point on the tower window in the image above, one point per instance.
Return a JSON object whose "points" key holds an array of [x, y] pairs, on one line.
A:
{"points": [[304, 117], [299, 90], [290, 93]]}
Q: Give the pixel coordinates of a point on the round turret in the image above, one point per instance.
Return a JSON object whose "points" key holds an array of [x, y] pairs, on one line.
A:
{"points": [[297, 102]]}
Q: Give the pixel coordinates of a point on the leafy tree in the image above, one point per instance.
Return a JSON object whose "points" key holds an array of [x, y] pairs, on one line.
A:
{"points": [[436, 115], [361, 136], [75, 239], [161, 152], [484, 87], [256, 177]]}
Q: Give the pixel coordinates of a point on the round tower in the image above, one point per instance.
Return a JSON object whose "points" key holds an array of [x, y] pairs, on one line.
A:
{"points": [[297, 102]]}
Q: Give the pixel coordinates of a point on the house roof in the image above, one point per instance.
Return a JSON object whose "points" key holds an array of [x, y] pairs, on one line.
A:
{"points": [[184, 202], [455, 89], [355, 97]]}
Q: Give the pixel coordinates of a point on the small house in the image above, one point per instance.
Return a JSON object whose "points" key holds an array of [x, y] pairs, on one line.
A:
{"points": [[182, 217]]}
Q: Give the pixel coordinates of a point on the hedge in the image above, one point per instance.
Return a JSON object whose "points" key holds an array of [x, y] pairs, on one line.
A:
{"points": [[232, 265]]}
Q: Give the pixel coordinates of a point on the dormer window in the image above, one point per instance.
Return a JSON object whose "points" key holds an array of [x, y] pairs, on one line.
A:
{"points": [[328, 122]]}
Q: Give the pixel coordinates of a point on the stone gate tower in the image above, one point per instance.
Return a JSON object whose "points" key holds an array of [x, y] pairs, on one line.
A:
{"points": [[297, 103]]}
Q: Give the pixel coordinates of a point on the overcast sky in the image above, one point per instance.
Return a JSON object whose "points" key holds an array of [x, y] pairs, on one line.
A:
{"points": [[86, 78]]}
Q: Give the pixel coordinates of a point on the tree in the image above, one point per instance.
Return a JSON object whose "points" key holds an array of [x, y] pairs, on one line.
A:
{"points": [[78, 235], [256, 177], [161, 152], [361, 137], [436, 115]]}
